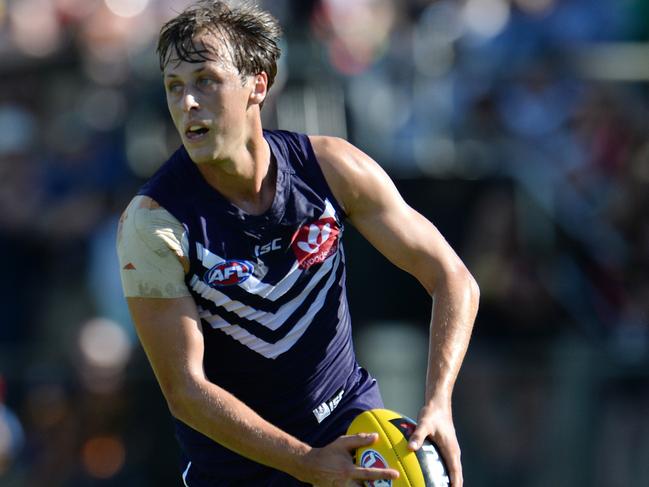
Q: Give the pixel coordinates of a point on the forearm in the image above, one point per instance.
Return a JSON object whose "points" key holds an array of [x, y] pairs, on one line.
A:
{"points": [[455, 305], [221, 416], [171, 335]]}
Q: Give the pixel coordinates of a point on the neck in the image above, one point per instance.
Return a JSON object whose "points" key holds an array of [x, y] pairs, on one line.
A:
{"points": [[246, 177]]}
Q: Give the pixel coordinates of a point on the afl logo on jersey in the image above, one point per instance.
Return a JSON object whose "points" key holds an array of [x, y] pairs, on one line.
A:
{"points": [[372, 459], [315, 242], [229, 273]]}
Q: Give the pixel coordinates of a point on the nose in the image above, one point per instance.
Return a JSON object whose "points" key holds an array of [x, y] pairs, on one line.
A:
{"points": [[189, 102]]}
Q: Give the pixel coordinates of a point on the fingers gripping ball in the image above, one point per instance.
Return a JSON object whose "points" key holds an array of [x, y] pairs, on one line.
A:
{"points": [[423, 468]]}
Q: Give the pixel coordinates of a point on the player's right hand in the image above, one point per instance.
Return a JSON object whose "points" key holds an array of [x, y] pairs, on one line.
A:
{"points": [[333, 466]]}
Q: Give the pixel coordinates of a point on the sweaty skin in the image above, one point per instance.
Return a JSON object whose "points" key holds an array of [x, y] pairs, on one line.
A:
{"points": [[411, 242], [233, 157]]}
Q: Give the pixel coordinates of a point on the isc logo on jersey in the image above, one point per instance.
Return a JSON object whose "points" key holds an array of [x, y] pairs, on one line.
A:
{"points": [[372, 459], [229, 273], [315, 242]]}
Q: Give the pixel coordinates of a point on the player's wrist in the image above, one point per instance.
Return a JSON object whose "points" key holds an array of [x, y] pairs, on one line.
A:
{"points": [[438, 398], [315, 466], [301, 462]]}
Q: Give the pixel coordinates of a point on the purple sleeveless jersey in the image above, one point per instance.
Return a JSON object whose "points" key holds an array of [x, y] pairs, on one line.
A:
{"points": [[270, 291]]}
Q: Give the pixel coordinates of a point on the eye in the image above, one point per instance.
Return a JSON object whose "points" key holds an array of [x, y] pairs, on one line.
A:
{"points": [[174, 87], [205, 82]]}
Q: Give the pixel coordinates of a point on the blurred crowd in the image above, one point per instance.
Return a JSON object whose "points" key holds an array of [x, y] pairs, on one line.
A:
{"points": [[519, 126]]}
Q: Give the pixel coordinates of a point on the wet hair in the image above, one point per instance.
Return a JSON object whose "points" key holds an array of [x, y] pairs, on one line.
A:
{"points": [[251, 37]]}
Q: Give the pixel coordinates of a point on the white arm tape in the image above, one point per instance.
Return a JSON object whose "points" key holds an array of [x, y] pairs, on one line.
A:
{"points": [[150, 246]]}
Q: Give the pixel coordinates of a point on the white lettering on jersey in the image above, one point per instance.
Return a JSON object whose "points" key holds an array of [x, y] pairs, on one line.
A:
{"points": [[268, 247], [327, 407]]}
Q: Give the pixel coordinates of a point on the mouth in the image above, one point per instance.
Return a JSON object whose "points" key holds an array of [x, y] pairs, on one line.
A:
{"points": [[195, 131]]}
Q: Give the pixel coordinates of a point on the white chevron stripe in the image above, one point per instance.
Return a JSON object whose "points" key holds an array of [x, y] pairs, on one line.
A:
{"points": [[253, 284], [210, 259], [329, 210], [274, 350], [269, 320]]}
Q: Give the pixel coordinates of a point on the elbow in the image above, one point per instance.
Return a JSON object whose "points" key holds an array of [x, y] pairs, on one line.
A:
{"points": [[465, 284], [473, 290], [459, 281], [176, 405], [179, 400]]}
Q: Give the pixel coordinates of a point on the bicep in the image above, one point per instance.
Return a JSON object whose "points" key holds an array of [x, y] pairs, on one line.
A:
{"points": [[404, 236], [171, 335], [375, 207]]}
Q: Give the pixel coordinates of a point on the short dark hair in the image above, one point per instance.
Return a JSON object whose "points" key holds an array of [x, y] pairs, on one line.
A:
{"points": [[251, 34]]}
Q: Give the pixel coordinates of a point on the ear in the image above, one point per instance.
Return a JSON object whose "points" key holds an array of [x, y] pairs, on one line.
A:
{"points": [[259, 88]]}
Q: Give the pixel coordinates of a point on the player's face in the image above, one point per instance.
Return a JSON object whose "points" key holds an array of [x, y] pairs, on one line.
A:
{"points": [[209, 103]]}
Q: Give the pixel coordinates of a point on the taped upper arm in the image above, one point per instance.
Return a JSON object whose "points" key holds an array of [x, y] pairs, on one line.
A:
{"points": [[152, 250]]}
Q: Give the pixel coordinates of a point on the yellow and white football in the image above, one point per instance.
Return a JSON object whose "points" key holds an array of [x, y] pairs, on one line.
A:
{"points": [[423, 468]]}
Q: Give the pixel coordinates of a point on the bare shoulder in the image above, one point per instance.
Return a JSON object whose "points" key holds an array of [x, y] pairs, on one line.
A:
{"points": [[354, 177], [339, 155]]}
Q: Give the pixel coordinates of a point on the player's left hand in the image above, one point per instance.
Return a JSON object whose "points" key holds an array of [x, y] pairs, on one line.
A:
{"points": [[435, 421]]}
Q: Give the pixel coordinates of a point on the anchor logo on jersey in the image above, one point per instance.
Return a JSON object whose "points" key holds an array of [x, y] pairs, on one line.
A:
{"points": [[314, 242]]}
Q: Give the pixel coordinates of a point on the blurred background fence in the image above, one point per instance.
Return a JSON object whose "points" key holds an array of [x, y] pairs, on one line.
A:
{"points": [[519, 127]]}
